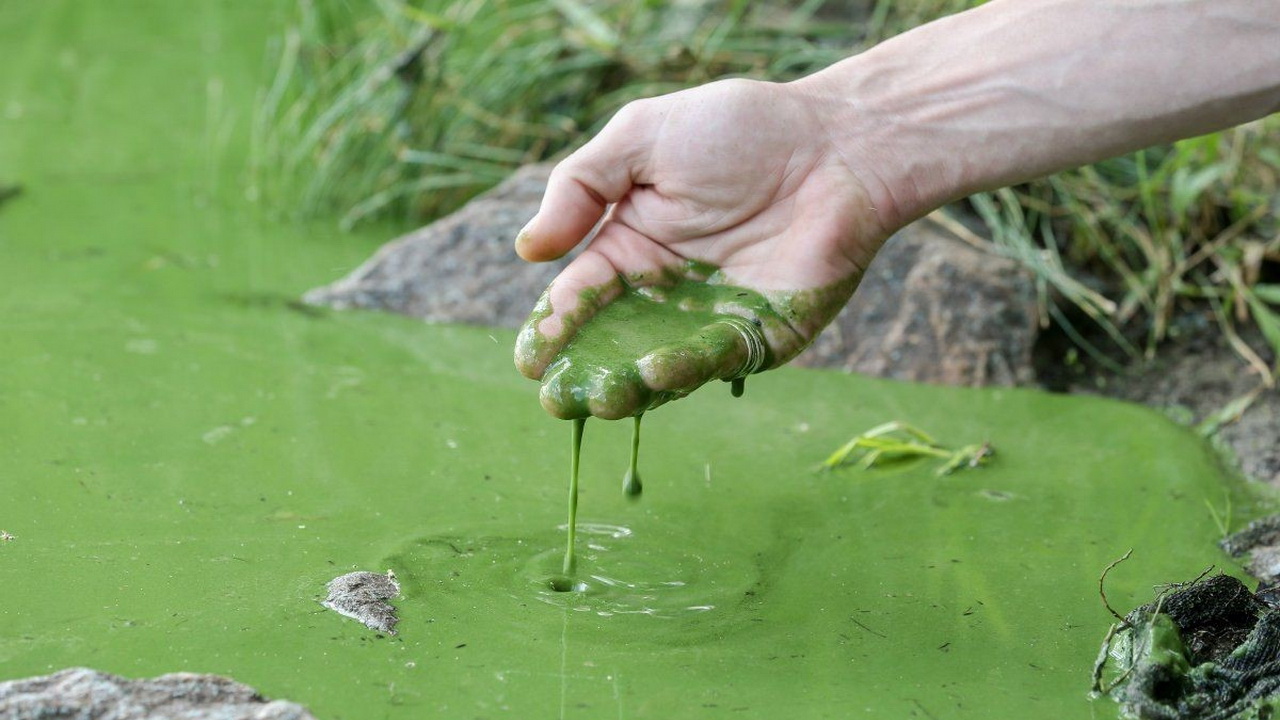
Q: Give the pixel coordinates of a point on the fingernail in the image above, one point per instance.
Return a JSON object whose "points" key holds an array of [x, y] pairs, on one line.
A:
{"points": [[522, 237]]}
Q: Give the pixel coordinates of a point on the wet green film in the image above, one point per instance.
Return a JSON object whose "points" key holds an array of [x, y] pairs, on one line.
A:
{"points": [[187, 456]]}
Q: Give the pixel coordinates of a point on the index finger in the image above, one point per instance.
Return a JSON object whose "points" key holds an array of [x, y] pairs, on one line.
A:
{"points": [[588, 283]]}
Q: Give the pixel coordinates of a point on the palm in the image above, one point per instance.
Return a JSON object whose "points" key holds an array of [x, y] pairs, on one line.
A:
{"points": [[711, 179], [758, 199]]}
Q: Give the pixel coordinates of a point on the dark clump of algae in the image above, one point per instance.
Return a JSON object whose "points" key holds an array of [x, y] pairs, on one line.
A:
{"points": [[186, 460]]}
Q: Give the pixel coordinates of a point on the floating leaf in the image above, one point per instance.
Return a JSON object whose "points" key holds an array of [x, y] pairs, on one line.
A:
{"points": [[901, 441]]}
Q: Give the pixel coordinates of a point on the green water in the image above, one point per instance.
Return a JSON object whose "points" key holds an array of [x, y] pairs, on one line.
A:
{"points": [[186, 459]]}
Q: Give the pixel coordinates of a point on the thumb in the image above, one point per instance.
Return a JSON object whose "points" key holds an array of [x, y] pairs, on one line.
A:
{"points": [[581, 187]]}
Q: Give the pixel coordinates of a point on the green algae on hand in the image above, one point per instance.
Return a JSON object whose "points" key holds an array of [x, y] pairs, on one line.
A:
{"points": [[637, 341], [651, 345], [628, 347]]}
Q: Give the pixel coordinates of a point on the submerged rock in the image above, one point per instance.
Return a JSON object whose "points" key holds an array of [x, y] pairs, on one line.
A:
{"points": [[1206, 650], [9, 192], [363, 596], [86, 694]]}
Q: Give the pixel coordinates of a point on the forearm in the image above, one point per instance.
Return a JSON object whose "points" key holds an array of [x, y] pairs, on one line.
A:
{"points": [[1017, 89]]}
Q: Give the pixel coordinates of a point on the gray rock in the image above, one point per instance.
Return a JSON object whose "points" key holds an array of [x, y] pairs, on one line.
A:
{"points": [[933, 309], [461, 269], [85, 694], [363, 596], [1258, 545]]}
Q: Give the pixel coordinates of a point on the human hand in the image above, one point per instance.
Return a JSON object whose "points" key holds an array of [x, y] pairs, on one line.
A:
{"points": [[735, 183]]}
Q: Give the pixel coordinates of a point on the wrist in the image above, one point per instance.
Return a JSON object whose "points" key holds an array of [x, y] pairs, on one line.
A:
{"points": [[868, 131]]}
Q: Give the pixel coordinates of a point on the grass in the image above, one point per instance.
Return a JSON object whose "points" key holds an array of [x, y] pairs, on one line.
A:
{"points": [[409, 110], [404, 109], [1193, 224]]}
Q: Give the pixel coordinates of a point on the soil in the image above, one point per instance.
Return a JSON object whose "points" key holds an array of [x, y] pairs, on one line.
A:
{"points": [[1258, 546]]}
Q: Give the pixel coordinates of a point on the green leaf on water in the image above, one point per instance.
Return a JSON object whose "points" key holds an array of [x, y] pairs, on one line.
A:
{"points": [[893, 441]]}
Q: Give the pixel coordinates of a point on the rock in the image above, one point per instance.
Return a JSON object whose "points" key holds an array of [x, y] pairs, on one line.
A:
{"points": [[363, 596], [933, 309], [459, 269], [86, 694], [1258, 545]]}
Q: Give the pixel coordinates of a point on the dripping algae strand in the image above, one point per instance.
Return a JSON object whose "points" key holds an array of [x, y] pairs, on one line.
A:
{"points": [[570, 560], [631, 486]]}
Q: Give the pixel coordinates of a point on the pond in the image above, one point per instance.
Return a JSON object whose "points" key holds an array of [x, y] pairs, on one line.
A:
{"points": [[187, 456]]}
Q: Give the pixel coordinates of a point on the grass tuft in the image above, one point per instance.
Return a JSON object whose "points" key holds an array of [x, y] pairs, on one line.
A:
{"points": [[407, 111], [1158, 232], [897, 442]]}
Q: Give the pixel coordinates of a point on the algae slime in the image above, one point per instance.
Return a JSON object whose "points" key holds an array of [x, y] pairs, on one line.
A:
{"points": [[655, 344], [570, 561], [631, 486], [225, 580]]}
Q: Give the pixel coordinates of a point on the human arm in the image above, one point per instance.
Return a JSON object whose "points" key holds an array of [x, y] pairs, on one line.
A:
{"points": [[1019, 89], [790, 189]]}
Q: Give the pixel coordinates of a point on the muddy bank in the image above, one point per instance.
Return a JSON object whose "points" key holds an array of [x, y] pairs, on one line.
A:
{"points": [[1197, 379]]}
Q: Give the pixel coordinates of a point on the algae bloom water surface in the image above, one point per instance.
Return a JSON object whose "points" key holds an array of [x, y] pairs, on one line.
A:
{"points": [[186, 459]]}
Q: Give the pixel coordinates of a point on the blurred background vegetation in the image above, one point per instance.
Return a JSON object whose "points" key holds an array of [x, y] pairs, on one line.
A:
{"points": [[406, 109]]}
